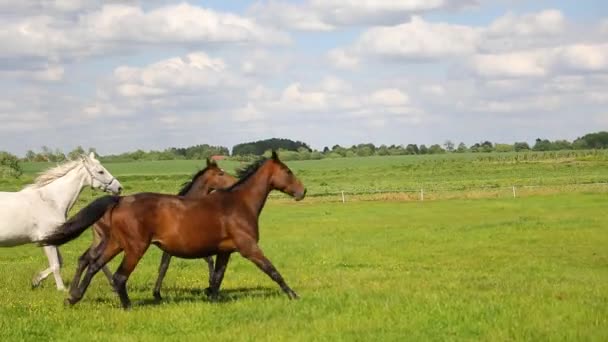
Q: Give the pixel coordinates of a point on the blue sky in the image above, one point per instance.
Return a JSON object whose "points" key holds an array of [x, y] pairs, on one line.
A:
{"points": [[130, 75]]}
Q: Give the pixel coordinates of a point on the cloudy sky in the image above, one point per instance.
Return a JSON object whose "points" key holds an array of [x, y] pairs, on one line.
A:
{"points": [[154, 74]]}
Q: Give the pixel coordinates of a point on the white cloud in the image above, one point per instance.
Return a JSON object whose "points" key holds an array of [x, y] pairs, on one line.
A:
{"points": [[542, 62], [389, 97], [332, 100], [547, 22], [192, 72], [322, 15], [45, 73], [115, 26], [341, 59], [418, 40], [175, 24]]}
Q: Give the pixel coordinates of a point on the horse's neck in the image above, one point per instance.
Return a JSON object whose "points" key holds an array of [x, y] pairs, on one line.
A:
{"points": [[255, 190], [196, 192], [63, 192]]}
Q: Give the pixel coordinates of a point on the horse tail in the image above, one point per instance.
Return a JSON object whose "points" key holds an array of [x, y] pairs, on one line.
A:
{"points": [[78, 223]]}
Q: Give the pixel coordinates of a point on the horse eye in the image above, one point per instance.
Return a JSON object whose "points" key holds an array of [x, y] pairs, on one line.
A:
{"points": [[100, 172], [221, 173]]}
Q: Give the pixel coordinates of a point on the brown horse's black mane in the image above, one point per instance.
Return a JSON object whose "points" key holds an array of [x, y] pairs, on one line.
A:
{"points": [[247, 171], [188, 185]]}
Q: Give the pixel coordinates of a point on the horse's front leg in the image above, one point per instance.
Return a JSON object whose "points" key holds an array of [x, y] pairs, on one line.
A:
{"points": [[250, 250]]}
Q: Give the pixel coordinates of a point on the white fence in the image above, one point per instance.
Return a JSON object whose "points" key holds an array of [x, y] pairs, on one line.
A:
{"points": [[422, 193]]}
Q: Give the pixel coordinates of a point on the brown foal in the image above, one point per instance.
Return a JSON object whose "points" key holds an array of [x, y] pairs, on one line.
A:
{"points": [[221, 223]]}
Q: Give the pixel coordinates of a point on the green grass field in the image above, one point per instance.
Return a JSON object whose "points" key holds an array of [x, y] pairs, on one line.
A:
{"points": [[529, 268]]}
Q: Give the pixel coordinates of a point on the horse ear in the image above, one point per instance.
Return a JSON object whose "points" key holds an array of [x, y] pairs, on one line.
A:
{"points": [[275, 156], [92, 155], [211, 162]]}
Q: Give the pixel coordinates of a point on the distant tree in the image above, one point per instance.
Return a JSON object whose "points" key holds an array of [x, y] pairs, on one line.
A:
{"points": [[412, 149], [462, 148], [382, 150], [47, 153], [435, 149], [597, 140], [561, 145], [485, 146], [316, 155], [259, 147], [521, 146], [423, 149], [325, 150], [503, 148], [75, 153], [448, 145], [59, 156], [364, 151], [9, 165], [542, 145], [30, 155], [303, 153], [369, 146], [396, 150]]}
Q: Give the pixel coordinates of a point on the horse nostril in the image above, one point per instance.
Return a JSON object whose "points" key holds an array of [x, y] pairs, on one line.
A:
{"points": [[120, 189]]}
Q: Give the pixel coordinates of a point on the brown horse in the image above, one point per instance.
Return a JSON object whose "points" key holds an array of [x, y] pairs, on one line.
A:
{"points": [[221, 223], [212, 177]]}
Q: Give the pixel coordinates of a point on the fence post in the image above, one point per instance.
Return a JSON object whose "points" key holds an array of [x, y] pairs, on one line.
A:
{"points": [[421, 194], [343, 200], [513, 191]]}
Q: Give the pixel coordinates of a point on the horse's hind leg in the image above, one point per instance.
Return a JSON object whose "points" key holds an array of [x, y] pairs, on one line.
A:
{"points": [[209, 261], [130, 260], [83, 261], [76, 292], [162, 271], [221, 262], [52, 255], [39, 277], [88, 257], [250, 250]]}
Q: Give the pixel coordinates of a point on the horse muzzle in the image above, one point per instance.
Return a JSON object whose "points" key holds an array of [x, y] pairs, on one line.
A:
{"points": [[300, 195]]}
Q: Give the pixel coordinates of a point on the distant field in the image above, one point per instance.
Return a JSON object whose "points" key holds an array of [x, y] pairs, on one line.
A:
{"points": [[453, 172], [532, 268]]}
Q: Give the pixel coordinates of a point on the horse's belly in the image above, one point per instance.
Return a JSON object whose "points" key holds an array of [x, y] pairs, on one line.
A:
{"points": [[16, 223], [11, 239], [188, 252]]}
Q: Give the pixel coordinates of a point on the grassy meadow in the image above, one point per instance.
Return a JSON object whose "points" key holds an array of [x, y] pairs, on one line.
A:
{"points": [[494, 269]]}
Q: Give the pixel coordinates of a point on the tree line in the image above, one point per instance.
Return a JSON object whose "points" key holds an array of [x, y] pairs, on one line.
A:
{"points": [[297, 150]]}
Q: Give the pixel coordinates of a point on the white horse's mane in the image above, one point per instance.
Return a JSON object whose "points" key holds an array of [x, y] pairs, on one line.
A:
{"points": [[48, 176]]}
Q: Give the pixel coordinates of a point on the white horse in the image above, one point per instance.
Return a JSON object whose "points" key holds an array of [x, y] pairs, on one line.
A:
{"points": [[37, 210]]}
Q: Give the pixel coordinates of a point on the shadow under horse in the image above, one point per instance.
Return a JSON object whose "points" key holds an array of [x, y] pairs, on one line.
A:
{"points": [[224, 222]]}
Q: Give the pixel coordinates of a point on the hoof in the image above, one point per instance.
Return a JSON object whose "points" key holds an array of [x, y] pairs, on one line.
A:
{"points": [[35, 282], [157, 296], [213, 296], [70, 301], [292, 295]]}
